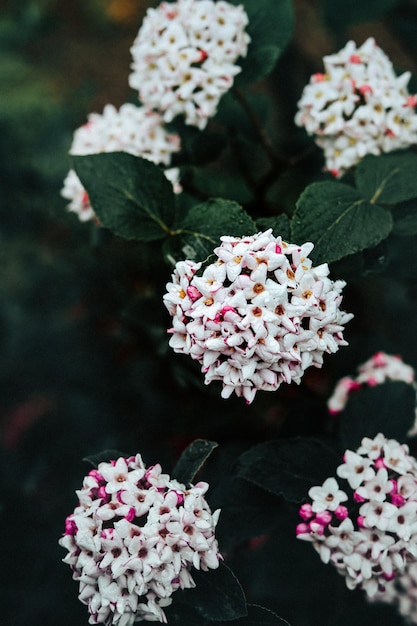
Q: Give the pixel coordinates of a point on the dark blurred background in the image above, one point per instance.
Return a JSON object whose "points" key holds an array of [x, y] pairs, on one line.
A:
{"points": [[81, 368]]}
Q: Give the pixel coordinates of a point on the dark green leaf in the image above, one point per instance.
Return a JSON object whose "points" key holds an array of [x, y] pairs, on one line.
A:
{"points": [[205, 223], [338, 221], [270, 27], [280, 225], [104, 457], [388, 409], [288, 467], [217, 596], [130, 195], [192, 459], [405, 218], [339, 14], [259, 616], [388, 178]]}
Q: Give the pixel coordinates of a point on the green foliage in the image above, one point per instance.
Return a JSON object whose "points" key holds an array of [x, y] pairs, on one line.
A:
{"points": [[340, 14], [270, 27], [288, 467], [338, 220], [217, 596], [130, 195], [192, 459], [280, 225], [387, 179], [387, 409], [201, 228]]}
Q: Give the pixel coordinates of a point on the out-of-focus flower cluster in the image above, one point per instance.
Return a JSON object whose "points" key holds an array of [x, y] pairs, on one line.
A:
{"points": [[358, 106], [136, 130], [133, 539], [380, 368], [184, 57], [369, 531], [258, 316]]}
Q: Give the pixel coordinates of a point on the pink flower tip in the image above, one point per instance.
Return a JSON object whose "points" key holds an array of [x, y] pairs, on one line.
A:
{"points": [[324, 518], [380, 463], [357, 497], [302, 529], [278, 249], [361, 521], [341, 512], [397, 499], [131, 515], [364, 89], [306, 511], [355, 58], [70, 527]]}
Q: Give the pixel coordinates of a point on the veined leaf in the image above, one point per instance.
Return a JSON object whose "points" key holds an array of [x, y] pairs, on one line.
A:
{"points": [[338, 221], [129, 195]]}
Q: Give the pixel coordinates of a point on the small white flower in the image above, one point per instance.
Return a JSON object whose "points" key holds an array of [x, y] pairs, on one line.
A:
{"points": [[327, 497]]}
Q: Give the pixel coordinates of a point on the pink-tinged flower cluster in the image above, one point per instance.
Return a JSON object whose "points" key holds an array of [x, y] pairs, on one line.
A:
{"points": [[380, 368], [358, 106], [136, 130], [368, 528], [184, 57], [258, 316], [134, 538]]}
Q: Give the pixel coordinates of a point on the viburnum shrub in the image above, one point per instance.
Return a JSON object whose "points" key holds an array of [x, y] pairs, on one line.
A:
{"points": [[264, 199]]}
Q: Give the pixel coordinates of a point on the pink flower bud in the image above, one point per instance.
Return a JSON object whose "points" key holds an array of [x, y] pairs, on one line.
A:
{"points": [[306, 511]]}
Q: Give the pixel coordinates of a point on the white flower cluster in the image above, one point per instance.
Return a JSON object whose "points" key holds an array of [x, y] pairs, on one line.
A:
{"points": [[372, 539], [358, 106], [380, 368], [258, 316], [131, 129], [184, 57], [133, 539]]}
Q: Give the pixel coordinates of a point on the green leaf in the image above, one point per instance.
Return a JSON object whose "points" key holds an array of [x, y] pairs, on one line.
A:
{"points": [[104, 457], [280, 225], [205, 223], [130, 195], [405, 218], [259, 616], [339, 14], [288, 467], [217, 596], [338, 221], [271, 24], [192, 459], [387, 179], [387, 409]]}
